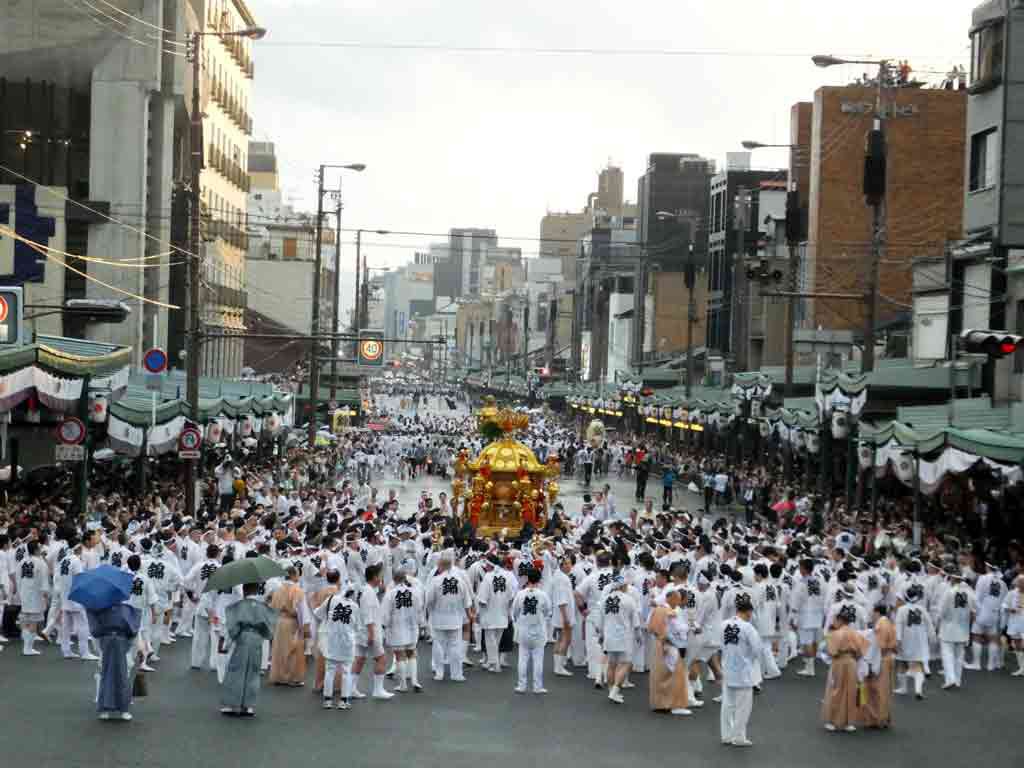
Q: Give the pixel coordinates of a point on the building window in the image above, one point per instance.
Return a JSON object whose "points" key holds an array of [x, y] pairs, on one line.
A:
{"points": [[984, 150], [987, 55]]}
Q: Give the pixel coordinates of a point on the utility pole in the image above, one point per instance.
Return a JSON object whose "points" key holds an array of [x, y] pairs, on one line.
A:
{"points": [[355, 310], [192, 270], [364, 319], [691, 315], [336, 309], [314, 343], [874, 195], [526, 337], [793, 232]]}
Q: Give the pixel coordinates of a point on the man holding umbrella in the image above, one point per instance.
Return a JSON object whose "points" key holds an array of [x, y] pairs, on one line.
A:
{"points": [[114, 623], [247, 624]]}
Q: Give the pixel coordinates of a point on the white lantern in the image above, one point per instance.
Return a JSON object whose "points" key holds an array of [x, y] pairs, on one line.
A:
{"points": [[905, 469], [98, 407], [213, 432], [272, 422], [245, 426], [813, 442], [840, 425], [864, 455]]}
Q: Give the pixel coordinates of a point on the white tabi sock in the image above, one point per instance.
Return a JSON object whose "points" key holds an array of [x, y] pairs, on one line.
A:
{"points": [[975, 654], [993, 656]]}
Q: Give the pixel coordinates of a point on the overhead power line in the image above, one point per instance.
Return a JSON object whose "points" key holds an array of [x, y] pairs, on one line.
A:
{"points": [[573, 51]]}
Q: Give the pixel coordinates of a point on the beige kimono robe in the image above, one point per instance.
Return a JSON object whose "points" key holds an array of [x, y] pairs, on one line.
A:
{"points": [[840, 707], [288, 649], [668, 687], [875, 713]]}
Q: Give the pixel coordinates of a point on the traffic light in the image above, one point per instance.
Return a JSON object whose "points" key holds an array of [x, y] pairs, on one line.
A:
{"points": [[995, 344]]}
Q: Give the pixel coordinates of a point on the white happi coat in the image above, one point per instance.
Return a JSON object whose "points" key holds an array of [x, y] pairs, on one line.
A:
{"points": [[955, 615], [494, 597], [531, 611], [447, 601], [339, 621], [32, 578], [914, 631], [400, 613], [618, 620]]}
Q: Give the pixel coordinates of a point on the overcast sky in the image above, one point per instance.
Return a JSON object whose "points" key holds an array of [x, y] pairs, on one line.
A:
{"points": [[456, 139]]}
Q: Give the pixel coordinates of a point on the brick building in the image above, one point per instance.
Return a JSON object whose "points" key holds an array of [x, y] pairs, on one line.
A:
{"points": [[924, 194]]}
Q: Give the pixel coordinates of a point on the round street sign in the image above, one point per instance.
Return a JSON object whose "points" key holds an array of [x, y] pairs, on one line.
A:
{"points": [[155, 360], [4, 309], [190, 439], [371, 350], [71, 431]]}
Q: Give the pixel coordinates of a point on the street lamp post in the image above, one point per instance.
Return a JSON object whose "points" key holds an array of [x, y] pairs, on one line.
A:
{"points": [[874, 189], [314, 363], [194, 335]]}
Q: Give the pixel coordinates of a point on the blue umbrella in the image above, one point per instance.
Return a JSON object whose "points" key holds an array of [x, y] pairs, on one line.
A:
{"points": [[100, 588]]}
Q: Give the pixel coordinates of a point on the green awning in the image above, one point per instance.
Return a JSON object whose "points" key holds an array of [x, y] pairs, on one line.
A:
{"points": [[72, 358]]}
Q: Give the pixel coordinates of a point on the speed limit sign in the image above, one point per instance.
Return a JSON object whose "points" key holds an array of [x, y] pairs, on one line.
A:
{"points": [[371, 349]]}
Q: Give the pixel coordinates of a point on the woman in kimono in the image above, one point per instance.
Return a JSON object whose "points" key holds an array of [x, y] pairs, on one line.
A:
{"points": [[247, 623], [115, 629], [882, 666], [845, 647], [668, 681], [288, 650]]}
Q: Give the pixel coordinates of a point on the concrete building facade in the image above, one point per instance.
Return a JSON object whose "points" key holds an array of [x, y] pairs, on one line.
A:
{"points": [[101, 119], [736, 222], [672, 224]]}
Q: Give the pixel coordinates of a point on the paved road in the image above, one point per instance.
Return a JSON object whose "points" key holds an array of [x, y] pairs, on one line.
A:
{"points": [[46, 719]]}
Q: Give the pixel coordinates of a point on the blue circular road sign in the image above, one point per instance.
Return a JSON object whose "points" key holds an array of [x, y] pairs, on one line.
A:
{"points": [[155, 360]]}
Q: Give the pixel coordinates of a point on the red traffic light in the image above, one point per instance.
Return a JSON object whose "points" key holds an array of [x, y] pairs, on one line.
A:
{"points": [[994, 344]]}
